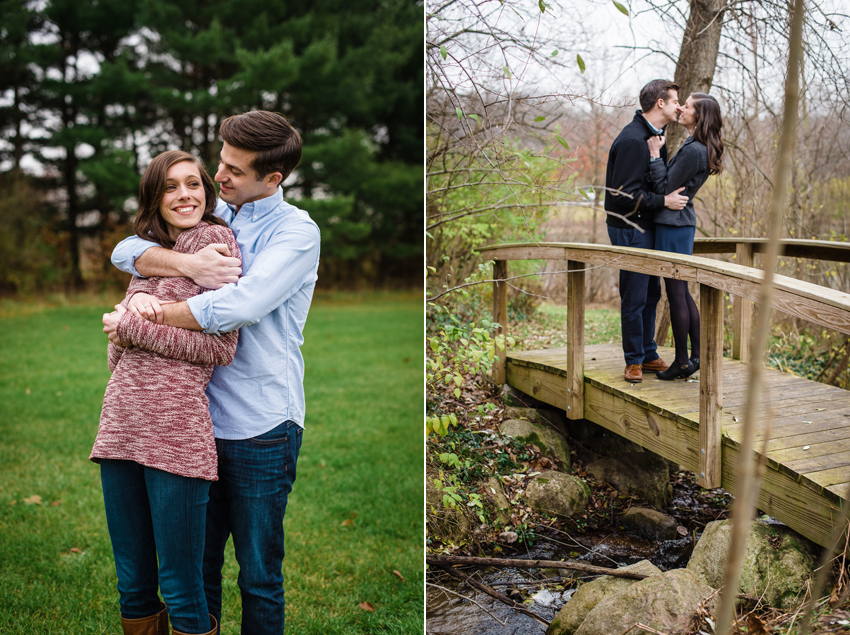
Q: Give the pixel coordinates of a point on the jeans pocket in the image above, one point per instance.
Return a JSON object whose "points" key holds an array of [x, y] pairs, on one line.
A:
{"points": [[275, 436]]}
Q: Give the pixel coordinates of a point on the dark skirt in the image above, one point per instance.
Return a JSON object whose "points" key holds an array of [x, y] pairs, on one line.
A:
{"points": [[679, 240]]}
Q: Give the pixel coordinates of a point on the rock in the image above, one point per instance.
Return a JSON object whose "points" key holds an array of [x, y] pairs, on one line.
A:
{"points": [[500, 501], [557, 494], [509, 537], [587, 596], [550, 442], [665, 602], [555, 418], [642, 473], [777, 562], [650, 523]]}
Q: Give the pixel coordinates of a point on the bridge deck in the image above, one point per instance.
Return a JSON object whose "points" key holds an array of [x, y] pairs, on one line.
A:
{"points": [[808, 455]]}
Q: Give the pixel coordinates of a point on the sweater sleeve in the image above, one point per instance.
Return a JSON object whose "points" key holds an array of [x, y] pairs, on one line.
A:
{"points": [[629, 169], [667, 179], [114, 353], [183, 344]]}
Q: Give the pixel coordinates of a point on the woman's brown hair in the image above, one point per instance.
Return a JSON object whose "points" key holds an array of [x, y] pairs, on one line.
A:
{"points": [[149, 223], [707, 131]]}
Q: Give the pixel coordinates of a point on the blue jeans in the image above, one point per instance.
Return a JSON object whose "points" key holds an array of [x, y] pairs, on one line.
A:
{"points": [[639, 295], [249, 501], [153, 515]]}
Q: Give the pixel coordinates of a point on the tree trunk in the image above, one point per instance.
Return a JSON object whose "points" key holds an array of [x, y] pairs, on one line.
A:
{"points": [[697, 58]]}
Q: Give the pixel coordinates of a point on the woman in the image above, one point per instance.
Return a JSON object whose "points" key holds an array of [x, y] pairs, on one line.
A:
{"points": [[699, 156], [155, 442]]}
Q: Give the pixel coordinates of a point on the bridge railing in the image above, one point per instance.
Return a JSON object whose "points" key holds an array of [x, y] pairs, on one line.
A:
{"points": [[744, 250], [811, 302]]}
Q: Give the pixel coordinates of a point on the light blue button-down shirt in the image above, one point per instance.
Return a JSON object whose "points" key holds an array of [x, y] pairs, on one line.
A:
{"points": [[264, 386]]}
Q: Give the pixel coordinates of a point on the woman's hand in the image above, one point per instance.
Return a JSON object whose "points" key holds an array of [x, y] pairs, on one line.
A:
{"points": [[655, 144], [110, 324], [147, 307]]}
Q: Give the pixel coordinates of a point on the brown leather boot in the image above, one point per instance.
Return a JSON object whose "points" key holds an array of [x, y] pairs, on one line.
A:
{"points": [[633, 374], [152, 625], [654, 366], [213, 628]]}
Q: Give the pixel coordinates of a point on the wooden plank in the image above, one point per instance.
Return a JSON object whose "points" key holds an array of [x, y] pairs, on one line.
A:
{"points": [[743, 322], [575, 336], [652, 431], [813, 249], [500, 316], [548, 388], [784, 498], [710, 386]]}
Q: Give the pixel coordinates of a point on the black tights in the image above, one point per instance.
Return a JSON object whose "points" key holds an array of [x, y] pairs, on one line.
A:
{"points": [[684, 318]]}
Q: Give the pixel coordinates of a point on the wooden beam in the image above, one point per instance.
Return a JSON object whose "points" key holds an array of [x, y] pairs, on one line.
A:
{"points": [[575, 340], [710, 386], [743, 323], [500, 316]]}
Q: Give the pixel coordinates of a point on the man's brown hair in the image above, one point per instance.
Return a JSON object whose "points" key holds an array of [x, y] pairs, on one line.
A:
{"points": [[270, 135], [653, 91], [149, 223]]}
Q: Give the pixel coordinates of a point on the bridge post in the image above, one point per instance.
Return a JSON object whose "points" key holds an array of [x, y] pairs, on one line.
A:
{"points": [[710, 386], [743, 323], [575, 340], [500, 316]]}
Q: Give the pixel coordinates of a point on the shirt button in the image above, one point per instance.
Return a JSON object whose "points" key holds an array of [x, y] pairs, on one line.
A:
{"points": [[255, 218]]}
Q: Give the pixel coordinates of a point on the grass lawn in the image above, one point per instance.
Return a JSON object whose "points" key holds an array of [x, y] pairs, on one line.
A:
{"points": [[354, 518]]}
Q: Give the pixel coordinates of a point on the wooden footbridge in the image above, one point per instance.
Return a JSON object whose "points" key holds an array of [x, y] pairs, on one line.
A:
{"points": [[699, 423]]}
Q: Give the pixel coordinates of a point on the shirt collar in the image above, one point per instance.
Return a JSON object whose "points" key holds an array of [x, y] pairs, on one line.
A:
{"points": [[652, 129], [257, 209]]}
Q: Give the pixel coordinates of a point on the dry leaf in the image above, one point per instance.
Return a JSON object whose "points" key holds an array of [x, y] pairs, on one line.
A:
{"points": [[35, 499], [755, 626], [55, 503], [399, 575], [366, 606], [347, 522], [75, 550]]}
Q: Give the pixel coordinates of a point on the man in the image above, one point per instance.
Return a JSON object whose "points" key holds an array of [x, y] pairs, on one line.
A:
{"points": [[256, 403], [631, 204]]}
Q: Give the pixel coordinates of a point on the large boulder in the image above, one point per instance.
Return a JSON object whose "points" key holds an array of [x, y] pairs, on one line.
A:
{"points": [[550, 442], [557, 494], [777, 562], [667, 602], [642, 473], [650, 523], [587, 596]]}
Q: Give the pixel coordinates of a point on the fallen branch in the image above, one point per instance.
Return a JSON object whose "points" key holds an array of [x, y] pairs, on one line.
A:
{"points": [[532, 564], [460, 575]]}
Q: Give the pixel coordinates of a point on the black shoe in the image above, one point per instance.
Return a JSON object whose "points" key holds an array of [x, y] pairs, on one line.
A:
{"points": [[695, 362], [676, 371]]}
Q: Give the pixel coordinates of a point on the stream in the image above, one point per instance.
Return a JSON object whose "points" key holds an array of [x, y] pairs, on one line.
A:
{"points": [[545, 591]]}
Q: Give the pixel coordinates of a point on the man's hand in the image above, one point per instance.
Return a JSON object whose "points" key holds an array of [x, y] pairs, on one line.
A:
{"points": [[212, 267], [146, 307], [110, 324], [676, 201], [655, 144]]}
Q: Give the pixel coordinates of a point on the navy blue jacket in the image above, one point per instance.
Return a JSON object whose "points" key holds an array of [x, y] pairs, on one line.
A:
{"points": [[688, 168], [628, 171]]}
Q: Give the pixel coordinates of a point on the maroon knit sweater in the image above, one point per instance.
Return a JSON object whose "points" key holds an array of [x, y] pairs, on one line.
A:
{"points": [[155, 411]]}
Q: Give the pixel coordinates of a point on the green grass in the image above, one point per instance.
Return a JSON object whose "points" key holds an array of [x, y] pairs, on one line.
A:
{"points": [[361, 461]]}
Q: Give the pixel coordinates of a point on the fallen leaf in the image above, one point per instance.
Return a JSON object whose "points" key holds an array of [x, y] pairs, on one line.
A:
{"points": [[75, 550], [28, 391], [347, 522], [399, 575], [55, 503], [755, 626], [366, 606], [35, 499]]}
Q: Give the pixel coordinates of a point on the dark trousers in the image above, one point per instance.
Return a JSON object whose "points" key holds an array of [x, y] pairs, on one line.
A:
{"points": [[639, 295], [248, 501]]}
